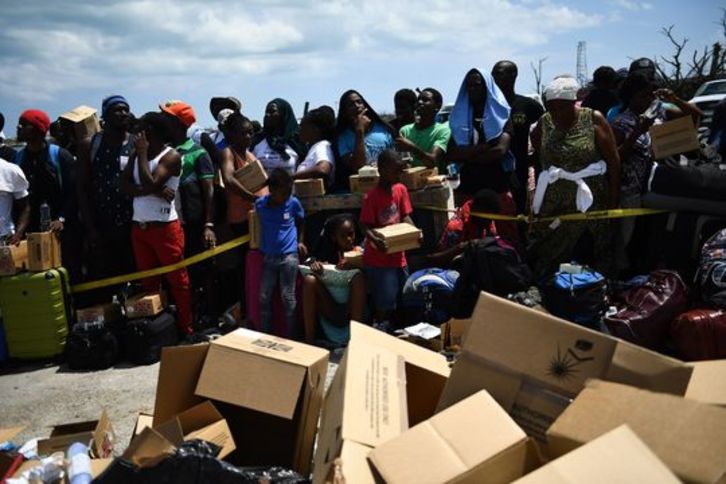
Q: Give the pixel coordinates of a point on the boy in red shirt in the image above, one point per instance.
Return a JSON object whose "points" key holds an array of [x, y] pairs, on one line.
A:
{"points": [[386, 204]]}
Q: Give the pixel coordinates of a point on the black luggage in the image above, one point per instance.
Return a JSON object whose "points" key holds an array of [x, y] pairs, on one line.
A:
{"points": [[91, 346], [144, 338]]}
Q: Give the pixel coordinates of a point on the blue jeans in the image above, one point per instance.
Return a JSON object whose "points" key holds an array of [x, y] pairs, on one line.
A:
{"points": [[386, 284], [285, 267]]}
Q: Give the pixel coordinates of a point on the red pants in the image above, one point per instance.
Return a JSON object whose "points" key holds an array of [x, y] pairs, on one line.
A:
{"points": [[161, 244]]}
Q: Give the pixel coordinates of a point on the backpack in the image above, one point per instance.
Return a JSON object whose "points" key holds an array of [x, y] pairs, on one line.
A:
{"points": [[91, 346], [53, 158], [144, 337], [579, 298], [711, 273], [489, 264], [427, 295]]}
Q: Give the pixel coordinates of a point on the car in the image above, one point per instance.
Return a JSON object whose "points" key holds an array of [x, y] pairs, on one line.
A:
{"points": [[706, 97]]}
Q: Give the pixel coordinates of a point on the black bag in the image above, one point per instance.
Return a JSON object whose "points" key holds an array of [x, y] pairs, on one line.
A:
{"points": [[491, 265], [579, 298], [91, 346], [144, 338], [706, 181]]}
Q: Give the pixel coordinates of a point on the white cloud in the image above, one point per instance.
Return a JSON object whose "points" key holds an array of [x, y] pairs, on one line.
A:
{"points": [[632, 5]]}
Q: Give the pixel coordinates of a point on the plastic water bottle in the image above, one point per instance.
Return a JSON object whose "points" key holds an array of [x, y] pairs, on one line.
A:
{"points": [[653, 109], [44, 217], [79, 467]]}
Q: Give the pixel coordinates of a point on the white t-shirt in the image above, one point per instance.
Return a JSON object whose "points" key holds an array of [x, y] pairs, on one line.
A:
{"points": [[13, 186], [320, 151], [271, 159], [153, 208]]}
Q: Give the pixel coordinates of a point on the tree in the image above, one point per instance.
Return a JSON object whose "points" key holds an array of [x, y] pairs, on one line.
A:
{"points": [[537, 70]]}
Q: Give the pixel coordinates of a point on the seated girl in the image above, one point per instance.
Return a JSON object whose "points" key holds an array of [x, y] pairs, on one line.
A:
{"points": [[337, 293]]}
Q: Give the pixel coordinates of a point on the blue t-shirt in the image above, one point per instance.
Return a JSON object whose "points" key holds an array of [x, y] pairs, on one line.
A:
{"points": [[278, 234], [376, 140]]}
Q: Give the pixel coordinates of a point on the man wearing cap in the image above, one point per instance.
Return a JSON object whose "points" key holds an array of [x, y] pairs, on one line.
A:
{"points": [[106, 209], [195, 199]]}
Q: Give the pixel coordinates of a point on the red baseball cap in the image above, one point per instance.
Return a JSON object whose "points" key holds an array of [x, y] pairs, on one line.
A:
{"points": [[37, 118], [180, 110]]}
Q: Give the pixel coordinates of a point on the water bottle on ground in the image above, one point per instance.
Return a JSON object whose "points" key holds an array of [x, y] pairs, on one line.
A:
{"points": [[79, 466]]}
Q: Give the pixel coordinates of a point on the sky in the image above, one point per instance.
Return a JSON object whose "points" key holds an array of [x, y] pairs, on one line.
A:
{"points": [[61, 54]]}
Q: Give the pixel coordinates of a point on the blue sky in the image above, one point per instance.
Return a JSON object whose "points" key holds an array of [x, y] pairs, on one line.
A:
{"points": [[57, 55]]}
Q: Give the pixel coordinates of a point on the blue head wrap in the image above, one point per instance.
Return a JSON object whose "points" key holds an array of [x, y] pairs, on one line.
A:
{"points": [[495, 116], [112, 101]]}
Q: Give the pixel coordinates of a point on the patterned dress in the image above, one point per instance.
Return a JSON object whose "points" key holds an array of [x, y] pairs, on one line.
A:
{"points": [[553, 243]]}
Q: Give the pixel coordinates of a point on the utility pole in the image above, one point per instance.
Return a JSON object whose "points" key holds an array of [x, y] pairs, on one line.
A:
{"points": [[582, 72]]}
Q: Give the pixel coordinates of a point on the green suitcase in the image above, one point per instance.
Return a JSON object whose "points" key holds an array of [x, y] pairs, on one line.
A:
{"points": [[35, 309]]}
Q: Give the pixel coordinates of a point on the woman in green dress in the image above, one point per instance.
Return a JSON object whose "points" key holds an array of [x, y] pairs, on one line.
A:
{"points": [[580, 173]]}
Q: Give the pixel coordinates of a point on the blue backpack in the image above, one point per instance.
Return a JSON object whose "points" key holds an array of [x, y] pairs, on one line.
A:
{"points": [[579, 298], [427, 295], [53, 157]]}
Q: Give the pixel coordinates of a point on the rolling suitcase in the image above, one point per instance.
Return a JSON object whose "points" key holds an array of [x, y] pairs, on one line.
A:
{"points": [[700, 334], [144, 337], [35, 307]]}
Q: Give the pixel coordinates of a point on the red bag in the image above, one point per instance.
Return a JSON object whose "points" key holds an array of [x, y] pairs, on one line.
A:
{"points": [[700, 334], [648, 310]]}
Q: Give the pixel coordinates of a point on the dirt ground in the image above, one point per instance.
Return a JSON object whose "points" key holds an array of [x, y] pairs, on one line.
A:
{"points": [[40, 396]]}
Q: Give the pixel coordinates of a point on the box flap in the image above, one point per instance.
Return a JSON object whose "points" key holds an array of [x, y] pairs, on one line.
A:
{"points": [[689, 436], [104, 437], [100, 465], [374, 398], [206, 423], [78, 114], [171, 430], [142, 421], [148, 449], [354, 463], [10, 433], [179, 372], [708, 382], [414, 355], [450, 443], [636, 366], [617, 456], [269, 372]]}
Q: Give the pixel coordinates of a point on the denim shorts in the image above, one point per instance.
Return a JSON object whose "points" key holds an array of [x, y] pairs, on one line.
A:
{"points": [[386, 284]]}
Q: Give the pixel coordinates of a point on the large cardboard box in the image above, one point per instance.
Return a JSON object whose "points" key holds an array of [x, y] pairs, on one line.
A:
{"points": [[107, 313], [313, 187], [337, 201], [85, 121], [674, 137], [689, 436], [471, 442], [381, 386], [99, 433], [253, 222], [363, 183], [708, 382], [617, 456], [417, 178], [252, 176], [270, 388], [354, 258], [43, 251], [13, 258], [179, 371], [534, 364], [400, 237], [145, 305]]}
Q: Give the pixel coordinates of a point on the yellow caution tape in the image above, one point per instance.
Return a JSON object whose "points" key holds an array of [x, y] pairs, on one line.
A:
{"points": [[594, 215], [112, 281]]}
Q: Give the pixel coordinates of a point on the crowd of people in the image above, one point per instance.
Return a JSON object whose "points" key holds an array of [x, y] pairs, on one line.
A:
{"points": [[149, 191]]}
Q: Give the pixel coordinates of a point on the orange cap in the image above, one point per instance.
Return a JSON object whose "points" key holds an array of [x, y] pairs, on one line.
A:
{"points": [[180, 110]]}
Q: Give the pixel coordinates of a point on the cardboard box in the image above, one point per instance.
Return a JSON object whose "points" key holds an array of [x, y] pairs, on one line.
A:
{"points": [[145, 305], [276, 395], [689, 436], [534, 364], [416, 178], [453, 332], [436, 196], [179, 371], [44, 251], [142, 421], [473, 441], [381, 385], [253, 224], [13, 258], [338, 201], [617, 456], [363, 184], [313, 187], [107, 313], [85, 121], [252, 176], [99, 433], [708, 382], [354, 258], [673, 137], [400, 237], [148, 449], [435, 180]]}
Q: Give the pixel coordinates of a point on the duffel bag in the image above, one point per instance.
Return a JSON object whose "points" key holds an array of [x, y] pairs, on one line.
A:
{"points": [[577, 297], [427, 295], [144, 337], [700, 334], [648, 310], [91, 346]]}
